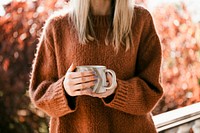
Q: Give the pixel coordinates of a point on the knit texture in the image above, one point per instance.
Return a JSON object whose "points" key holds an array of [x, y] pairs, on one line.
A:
{"points": [[137, 71]]}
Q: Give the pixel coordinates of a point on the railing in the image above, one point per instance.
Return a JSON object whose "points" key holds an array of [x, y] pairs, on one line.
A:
{"points": [[183, 120]]}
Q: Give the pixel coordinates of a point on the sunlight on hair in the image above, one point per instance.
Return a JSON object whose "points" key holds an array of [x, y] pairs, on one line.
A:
{"points": [[120, 32], [79, 15]]}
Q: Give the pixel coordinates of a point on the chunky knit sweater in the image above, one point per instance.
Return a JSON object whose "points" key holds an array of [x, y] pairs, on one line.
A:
{"points": [[128, 110]]}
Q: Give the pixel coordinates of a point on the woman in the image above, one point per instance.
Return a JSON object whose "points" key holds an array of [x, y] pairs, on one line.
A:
{"points": [[113, 33]]}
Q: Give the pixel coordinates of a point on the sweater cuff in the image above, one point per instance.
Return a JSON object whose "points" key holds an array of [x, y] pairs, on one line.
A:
{"points": [[120, 97], [61, 105]]}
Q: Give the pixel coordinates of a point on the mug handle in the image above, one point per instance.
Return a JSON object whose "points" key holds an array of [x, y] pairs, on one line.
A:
{"points": [[113, 78]]}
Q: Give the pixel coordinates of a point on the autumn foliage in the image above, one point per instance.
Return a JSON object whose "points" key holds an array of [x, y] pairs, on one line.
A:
{"points": [[180, 38], [19, 32]]}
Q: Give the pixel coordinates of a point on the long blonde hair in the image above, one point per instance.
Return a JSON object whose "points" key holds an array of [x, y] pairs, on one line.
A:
{"points": [[120, 31]]}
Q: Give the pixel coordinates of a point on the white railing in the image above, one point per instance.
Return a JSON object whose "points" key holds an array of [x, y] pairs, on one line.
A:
{"points": [[183, 120]]}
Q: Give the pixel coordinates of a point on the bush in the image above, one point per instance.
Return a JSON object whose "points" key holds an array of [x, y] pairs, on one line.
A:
{"points": [[180, 39], [20, 28]]}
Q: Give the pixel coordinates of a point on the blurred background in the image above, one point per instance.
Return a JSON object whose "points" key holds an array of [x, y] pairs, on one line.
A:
{"points": [[177, 23]]}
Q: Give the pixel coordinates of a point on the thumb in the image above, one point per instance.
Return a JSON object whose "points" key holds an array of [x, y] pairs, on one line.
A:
{"points": [[71, 68]]}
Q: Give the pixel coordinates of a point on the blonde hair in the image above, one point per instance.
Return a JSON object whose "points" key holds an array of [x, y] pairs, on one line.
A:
{"points": [[120, 31]]}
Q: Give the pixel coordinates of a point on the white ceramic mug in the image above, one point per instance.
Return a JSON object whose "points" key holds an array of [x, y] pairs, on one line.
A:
{"points": [[100, 72]]}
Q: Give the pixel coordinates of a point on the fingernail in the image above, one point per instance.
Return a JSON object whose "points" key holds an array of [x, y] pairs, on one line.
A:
{"points": [[94, 72]]}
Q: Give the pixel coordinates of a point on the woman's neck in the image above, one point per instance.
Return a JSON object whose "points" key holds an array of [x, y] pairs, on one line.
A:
{"points": [[101, 7]]}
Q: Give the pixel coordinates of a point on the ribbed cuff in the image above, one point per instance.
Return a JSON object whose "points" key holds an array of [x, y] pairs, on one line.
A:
{"points": [[121, 95], [60, 106]]}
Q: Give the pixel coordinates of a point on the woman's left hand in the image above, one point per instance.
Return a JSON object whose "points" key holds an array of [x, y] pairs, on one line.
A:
{"points": [[108, 92]]}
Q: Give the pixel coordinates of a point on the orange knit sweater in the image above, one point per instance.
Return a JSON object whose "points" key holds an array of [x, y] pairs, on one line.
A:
{"points": [[137, 71]]}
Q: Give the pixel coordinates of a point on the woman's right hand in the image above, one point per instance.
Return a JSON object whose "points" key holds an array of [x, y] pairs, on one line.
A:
{"points": [[79, 83]]}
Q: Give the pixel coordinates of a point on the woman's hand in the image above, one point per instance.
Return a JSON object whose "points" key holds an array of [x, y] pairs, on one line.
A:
{"points": [[79, 83], [108, 92]]}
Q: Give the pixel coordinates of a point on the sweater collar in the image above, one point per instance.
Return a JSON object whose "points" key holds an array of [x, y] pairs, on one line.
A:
{"points": [[101, 20]]}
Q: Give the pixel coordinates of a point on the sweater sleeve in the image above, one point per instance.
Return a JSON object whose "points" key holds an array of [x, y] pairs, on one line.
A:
{"points": [[139, 95], [46, 89]]}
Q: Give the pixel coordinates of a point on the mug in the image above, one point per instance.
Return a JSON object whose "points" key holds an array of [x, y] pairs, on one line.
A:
{"points": [[100, 72]]}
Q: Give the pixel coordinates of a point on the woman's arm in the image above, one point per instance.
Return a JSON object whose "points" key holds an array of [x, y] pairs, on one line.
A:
{"points": [[46, 89], [140, 94]]}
